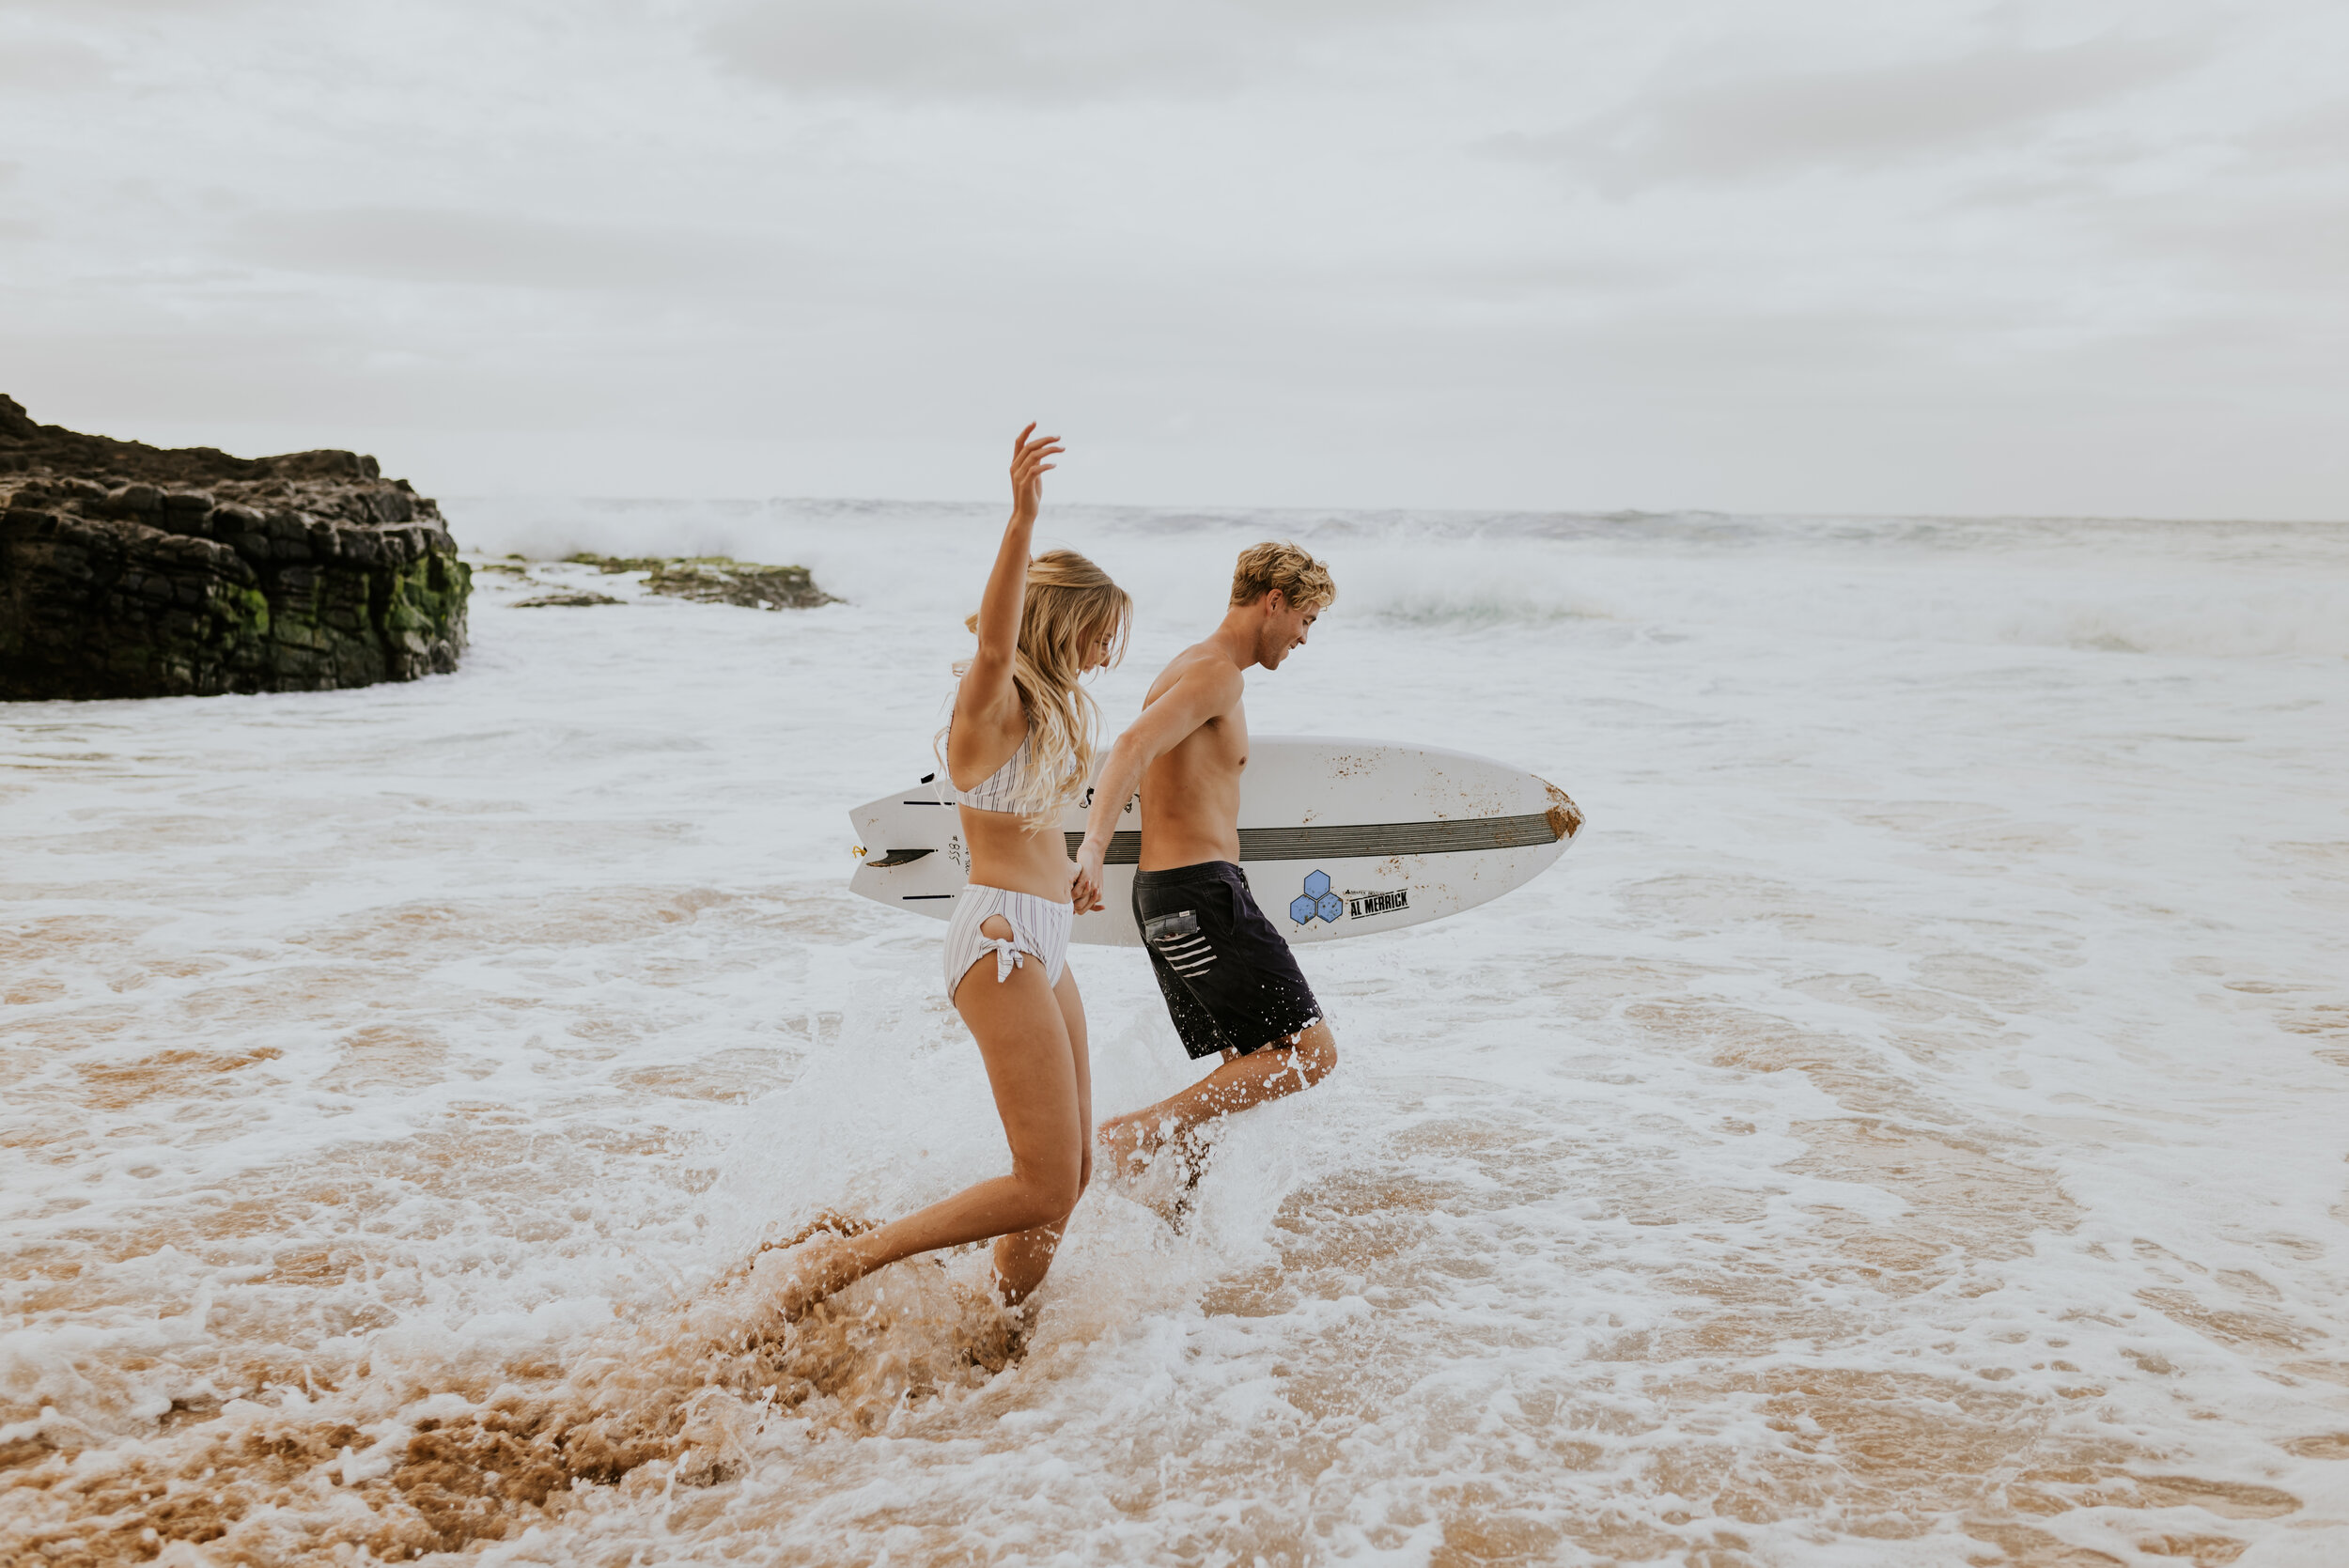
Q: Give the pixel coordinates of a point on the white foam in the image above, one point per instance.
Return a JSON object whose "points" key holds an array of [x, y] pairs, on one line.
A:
{"points": [[2222, 589], [1921, 1086]]}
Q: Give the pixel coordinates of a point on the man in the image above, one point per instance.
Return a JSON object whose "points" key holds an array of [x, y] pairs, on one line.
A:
{"points": [[1228, 976]]}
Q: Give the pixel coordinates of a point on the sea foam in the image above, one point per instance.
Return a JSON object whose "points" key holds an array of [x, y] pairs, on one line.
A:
{"points": [[1905, 1130]]}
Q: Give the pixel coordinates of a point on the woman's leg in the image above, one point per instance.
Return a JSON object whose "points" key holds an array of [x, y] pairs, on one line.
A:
{"points": [[1022, 1257], [1023, 1039]]}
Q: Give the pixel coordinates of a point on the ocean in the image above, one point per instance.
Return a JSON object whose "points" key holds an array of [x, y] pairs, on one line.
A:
{"points": [[1906, 1129]]}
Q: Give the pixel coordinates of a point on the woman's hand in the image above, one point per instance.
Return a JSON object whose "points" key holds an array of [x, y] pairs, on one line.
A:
{"points": [[986, 685], [1028, 469]]}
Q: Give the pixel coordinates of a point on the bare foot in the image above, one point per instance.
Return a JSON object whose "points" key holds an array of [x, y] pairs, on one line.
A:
{"points": [[1158, 1169], [817, 1267], [1132, 1142]]}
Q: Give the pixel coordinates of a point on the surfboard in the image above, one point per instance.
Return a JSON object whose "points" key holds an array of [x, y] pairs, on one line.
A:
{"points": [[1338, 838]]}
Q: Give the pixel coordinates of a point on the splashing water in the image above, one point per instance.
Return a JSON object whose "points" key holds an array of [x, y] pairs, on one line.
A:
{"points": [[1906, 1130]]}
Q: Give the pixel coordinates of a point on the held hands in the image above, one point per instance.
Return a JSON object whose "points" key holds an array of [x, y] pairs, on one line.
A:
{"points": [[1085, 889], [1028, 469]]}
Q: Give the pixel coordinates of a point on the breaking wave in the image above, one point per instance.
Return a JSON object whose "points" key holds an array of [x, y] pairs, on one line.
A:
{"points": [[2182, 588]]}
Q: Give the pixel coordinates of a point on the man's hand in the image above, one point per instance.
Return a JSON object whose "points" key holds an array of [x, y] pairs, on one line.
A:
{"points": [[1085, 889]]}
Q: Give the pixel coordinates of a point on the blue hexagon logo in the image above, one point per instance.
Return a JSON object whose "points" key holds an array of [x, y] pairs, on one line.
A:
{"points": [[1317, 900]]}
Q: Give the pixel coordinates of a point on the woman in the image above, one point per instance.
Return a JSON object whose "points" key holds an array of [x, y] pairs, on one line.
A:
{"points": [[1019, 749]]}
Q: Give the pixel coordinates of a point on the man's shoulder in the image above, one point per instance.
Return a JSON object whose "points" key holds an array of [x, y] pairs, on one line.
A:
{"points": [[1206, 667]]}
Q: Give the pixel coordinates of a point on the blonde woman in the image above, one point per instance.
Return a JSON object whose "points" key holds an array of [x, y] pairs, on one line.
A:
{"points": [[1019, 749]]}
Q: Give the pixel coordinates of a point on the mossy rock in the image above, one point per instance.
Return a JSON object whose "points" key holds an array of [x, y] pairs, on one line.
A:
{"points": [[134, 571], [718, 579]]}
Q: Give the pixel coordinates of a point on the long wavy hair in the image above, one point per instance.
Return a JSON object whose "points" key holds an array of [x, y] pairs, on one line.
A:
{"points": [[1069, 602]]}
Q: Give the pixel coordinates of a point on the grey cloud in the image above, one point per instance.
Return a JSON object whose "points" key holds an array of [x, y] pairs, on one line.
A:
{"points": [[2296, 245], [458, 247], [287, 377], [1531, 280], [52, 64], [1732, 129], [1045, 52], [615, 237], [82, 9], [2316, 138], [1056, 49]]}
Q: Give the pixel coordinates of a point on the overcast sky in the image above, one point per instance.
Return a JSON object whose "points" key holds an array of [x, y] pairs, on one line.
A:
{"points": [[1753, 254]]}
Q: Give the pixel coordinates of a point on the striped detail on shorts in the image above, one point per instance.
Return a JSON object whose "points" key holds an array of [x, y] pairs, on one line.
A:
{"points": [[1187, 956]]}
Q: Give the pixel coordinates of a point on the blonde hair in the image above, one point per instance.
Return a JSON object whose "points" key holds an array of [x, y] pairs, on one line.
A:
{"points": [[1069, 603], [1300, 580]]}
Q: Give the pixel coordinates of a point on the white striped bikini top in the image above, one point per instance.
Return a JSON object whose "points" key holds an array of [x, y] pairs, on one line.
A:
{"points": [[995, 792]]}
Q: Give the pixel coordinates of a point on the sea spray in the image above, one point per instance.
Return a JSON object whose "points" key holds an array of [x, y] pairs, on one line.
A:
{"points": [[418, 1453], [1906, 1131]]}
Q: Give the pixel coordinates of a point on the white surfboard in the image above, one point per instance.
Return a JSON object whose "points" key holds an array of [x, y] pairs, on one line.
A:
{"points": [[1338, 838]]}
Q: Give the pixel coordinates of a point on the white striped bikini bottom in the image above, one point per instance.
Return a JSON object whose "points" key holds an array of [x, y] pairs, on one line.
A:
{"points": [[1039, 927]]}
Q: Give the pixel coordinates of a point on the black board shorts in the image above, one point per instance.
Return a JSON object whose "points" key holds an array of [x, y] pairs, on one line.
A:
{"points": [[1228, 976]]}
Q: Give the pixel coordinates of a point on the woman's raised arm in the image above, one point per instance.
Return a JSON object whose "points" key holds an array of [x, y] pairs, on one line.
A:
{"points": [[986, 686]]}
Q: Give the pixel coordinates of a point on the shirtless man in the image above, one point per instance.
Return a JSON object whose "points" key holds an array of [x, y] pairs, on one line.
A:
{"points": [[1228, 976]]}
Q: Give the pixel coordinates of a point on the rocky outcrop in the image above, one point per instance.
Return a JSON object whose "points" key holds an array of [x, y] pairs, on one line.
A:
{"points": [[129, 570], [714, 580]]}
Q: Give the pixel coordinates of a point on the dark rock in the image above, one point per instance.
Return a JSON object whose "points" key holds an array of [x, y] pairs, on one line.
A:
{"points": [[719, 580], [565, 599], [129, 570]]}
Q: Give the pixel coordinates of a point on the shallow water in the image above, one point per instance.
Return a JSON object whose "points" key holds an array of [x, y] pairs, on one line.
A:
{"points": [[1907, 1129]]}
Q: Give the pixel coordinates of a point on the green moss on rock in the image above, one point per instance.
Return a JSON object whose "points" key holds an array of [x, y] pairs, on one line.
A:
{"points": [[719, 580]]}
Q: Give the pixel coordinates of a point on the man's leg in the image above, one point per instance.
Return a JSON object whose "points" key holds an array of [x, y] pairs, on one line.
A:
{"points": [[1280, 1068]]}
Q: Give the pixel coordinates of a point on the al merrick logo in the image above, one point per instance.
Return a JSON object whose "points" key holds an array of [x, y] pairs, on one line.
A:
{"points": [[1318, 902]]}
